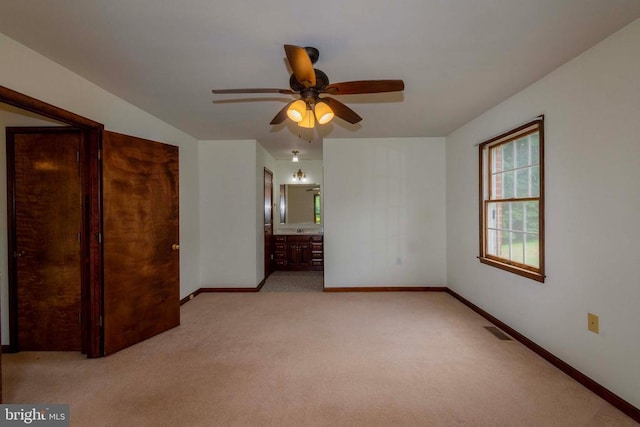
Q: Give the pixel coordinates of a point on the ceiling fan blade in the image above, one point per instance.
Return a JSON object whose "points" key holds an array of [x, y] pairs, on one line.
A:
{"points": [[300, 65], [342, 111], [282, 115], [365, 86], [263, 90]]}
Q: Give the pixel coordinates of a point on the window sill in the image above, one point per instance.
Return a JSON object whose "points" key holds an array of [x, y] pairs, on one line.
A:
{"points": [[538, 277]]}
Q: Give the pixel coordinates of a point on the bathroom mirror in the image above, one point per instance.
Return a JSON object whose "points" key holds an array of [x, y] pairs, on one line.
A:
{"points": [[300, 204]]}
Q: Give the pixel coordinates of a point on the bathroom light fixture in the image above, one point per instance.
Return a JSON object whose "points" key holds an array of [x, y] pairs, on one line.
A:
{"points": [[299, 176], [295, 157]]}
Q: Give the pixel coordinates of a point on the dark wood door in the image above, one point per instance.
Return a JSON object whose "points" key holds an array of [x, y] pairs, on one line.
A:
{"points": [[141, 252], [45, 229], [268, 223]]}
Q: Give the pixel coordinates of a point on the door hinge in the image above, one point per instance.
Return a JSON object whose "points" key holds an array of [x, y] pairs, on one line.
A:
{"points": [[99, 236], [99, 154]]}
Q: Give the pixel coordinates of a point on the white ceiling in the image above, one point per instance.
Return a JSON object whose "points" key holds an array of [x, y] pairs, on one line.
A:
{"points": [[458, 58]]}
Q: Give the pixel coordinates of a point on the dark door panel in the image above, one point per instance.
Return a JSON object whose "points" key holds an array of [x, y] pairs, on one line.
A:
{"points": [[45, 196], [141, 252]]}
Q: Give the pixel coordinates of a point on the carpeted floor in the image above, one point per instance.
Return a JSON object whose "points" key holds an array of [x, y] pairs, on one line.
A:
{"points": [[313, 359], [294, 281]]}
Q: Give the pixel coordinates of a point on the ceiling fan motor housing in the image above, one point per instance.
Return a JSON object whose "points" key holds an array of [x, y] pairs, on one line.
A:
{"points": [[313, 53], [322, 81]]}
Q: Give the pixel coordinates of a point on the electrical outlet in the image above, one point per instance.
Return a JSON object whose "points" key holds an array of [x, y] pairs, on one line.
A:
{"points": [[593, 323]]}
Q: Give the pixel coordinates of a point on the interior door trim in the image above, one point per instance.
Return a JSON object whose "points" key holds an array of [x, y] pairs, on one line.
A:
{"points": [[92, 247], [268, 242]]}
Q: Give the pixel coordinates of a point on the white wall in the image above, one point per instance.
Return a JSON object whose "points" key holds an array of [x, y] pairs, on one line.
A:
{"points": [[384, 216], [592, 161], [231, 213], [228, 219], [30, 73]]}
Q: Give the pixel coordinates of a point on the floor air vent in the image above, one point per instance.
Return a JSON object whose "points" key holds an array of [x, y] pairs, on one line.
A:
{"points": [[498, 333]]}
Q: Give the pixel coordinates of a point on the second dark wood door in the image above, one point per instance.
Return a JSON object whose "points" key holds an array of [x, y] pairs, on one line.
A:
{"points": [[141, 252]]}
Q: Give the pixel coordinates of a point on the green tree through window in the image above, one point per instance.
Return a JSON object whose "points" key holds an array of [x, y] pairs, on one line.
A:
{"points": [[316, 208]]}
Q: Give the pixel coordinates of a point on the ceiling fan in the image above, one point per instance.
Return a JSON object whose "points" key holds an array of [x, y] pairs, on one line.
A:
{"points": [[309, 83]]}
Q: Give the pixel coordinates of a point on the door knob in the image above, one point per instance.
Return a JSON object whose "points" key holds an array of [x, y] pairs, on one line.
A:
{"points": [[175, 247]]}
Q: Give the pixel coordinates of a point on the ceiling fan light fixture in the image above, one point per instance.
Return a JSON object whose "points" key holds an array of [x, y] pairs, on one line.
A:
{"points": [[324, 113], [297, 110], [308, 121], [295, 158]]}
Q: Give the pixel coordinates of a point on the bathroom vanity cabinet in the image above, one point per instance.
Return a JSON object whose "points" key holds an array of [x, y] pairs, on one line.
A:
{"points": [[298, 252]]}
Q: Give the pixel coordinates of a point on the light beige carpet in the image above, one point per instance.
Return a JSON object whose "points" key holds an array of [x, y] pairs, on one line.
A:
{"points": [[313, 359]]}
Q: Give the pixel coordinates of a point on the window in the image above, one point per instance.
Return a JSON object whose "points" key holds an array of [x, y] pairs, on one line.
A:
{"points": [[316, 208], [512, 201]]}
